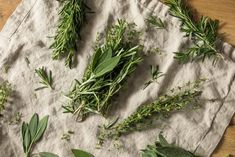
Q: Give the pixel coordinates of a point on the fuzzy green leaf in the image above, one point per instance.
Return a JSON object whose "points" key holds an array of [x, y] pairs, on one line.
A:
{"points": [[33, 125], [27, 139], [41, 127], [47, 154], [81, 153]]}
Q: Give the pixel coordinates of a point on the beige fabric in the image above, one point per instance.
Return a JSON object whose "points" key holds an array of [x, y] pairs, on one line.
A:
{"points": [[26, 34]]}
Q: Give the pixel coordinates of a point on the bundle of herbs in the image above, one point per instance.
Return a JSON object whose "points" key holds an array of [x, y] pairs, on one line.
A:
{"points": [[203, 32], [5, 91], [177, 99], [112, 62], [72, 17]]}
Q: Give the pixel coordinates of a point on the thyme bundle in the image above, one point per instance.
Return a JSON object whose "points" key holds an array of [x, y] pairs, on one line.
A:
{"points": [[162, 148], [184, 96], [112, 62], [203, 32], [5, 91], [72, 17]]}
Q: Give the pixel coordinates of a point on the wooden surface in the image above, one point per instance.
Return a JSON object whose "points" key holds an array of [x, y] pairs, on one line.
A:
{"points": [[223, 10]]}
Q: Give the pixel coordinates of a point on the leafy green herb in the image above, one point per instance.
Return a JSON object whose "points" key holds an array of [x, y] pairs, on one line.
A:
{"points": [[189, 94], [203, 32], [155, 74], [163, 149], [46, 79], [32, 132], [66, 136], [156, 22], [5, 91], [72, 17], [112, 62]]}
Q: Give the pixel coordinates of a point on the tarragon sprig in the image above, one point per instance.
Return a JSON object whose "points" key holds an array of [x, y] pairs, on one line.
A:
{"points": [[5, 91], [72, 17], [177, 100], [112, 62], [203, 32]]}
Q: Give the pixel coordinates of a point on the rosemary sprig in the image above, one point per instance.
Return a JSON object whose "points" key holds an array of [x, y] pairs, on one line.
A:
{"points": [[155, 74], [112, 62], [189, 94], [5, 91], [46, 78], [72, 17], [162, 148], [203, 32], [156, 22]]}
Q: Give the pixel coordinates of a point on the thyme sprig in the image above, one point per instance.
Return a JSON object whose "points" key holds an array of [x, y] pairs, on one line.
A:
{"points": [[5, 91], [156, 22], [178, 99], [203, 32], [72, 17], [46, 78], [162, 148], [112, 62]]}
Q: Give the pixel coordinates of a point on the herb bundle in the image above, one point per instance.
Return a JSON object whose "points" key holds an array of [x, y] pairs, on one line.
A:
{"points": [[112, 62], [203, 32], [72, 17], [162, 148], [32, 132], [177, 100], [46, 78], [5, 91]]}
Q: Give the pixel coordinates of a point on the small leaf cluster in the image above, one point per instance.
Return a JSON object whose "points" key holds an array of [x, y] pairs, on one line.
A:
{"points": [[162, 148], [5, 91], [113, 61], [203, 32], [32, 132], [155, 75], [156, 22], [177, 100], [46, 78], [72, 17]]}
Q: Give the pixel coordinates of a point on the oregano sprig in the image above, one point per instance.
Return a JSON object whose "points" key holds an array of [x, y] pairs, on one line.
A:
{"points": [[72, 17], [113, 61], [203, 32], [46, 78], [32, 132], [5, 91]]}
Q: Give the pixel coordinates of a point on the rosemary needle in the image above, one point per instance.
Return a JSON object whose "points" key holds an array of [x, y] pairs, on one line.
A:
{"points": [[46, 78]]}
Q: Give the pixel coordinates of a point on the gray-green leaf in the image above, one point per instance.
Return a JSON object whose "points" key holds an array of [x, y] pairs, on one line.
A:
{"points": [[33, 125], [106, 66], [173, 152], [27, 140], [47, 154], [81, 153], [163, 141], [41, 128]]}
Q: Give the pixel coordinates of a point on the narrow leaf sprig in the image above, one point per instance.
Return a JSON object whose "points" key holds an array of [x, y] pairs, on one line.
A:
{"points": [[113, 61], [46, 78], [5, 91], [203, 32], [72, 17], [156, 22], [155, 75], [32, 132], [178, 99], [162, 148]]}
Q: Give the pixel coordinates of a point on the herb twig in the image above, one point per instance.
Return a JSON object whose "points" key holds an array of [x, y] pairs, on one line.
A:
{"points": [[112, 62], [46, 78], [5, 91], [203, 32], [177, 100], [156, 22], [72, 17], [155, 74]]}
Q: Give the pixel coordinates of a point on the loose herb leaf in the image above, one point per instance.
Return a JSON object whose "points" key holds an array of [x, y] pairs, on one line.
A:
{"points": [[156, 22], [203, 32], [33, 125], [81, 153], [5, 91], [113, 61], [140, 119], [41, 128], [72, 17], [47, 154], [46, 79]]}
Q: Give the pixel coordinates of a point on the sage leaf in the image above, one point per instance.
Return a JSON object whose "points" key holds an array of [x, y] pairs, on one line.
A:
{"points": [[27, 139], [173, 152], [41, 127], [106, 66], [163, 141], [47, 154], [81, 153], [23, 130], [33, 125]]}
